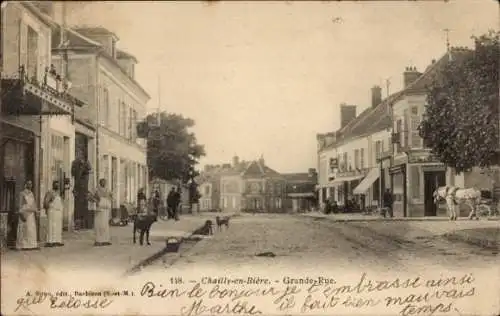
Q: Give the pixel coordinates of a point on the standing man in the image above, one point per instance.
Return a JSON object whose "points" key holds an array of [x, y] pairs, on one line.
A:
{"points": [[388, 201], [171, 203], [177, 201]]}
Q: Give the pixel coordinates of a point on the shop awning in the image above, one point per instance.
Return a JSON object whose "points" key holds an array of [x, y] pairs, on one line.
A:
{"points": [[348, 179], [22, 97], [370, 178]]}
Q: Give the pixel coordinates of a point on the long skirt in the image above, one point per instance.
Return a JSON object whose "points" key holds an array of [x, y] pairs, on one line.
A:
{"points": [[101, 225], [26, 233], [54, 233]]}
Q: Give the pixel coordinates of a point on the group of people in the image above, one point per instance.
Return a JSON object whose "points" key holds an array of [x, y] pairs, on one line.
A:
{"points": [[53, 205], [173, 202], [331, 205]]}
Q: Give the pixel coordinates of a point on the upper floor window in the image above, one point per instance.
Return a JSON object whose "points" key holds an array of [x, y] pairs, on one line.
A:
{"points": [[356, 158], [378, 149], [32, 53], [362, 158], [207, 190], [345, 162], [104, 109]]}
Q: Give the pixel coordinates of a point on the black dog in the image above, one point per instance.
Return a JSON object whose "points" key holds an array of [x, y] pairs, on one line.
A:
{"points": [[143, 223], [222, 221], [206, 229]]}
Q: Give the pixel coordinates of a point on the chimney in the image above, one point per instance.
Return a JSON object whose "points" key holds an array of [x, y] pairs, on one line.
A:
{"points": [[410, 75], [311, 172], [376, 96], [347, 114], [262, 161], [236, 161]]}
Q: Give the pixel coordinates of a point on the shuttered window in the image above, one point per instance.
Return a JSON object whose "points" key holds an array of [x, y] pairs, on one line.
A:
{"points": [[362, 158], [416, 140], [404, 133]]}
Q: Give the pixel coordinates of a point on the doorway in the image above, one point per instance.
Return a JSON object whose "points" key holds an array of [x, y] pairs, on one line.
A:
{"points": [[432, 180], [81, 184]]}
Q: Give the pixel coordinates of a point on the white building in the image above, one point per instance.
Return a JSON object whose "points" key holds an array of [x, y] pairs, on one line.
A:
{"points": [[103, 76], [348, 158]]}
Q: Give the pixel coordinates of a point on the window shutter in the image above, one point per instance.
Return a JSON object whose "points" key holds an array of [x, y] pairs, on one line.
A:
{"points": [[416, 140], [405, 132]]}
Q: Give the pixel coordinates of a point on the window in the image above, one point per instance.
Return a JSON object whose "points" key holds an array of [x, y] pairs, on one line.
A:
{"points": [[399, 128], [130, 124], [378, 149], [404, 132], [104, 108], [416, 140], [415, 179], [234, 201], [207, 190], [278, 203], [57, 163], [32, 50], [134, 122], [356, 158], [123, 119], [414, 110], [345, 162], [362, 158]]}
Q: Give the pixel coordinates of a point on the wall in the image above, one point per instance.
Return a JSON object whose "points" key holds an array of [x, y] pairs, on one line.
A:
{"points": [[15, 21], [231, 189]]}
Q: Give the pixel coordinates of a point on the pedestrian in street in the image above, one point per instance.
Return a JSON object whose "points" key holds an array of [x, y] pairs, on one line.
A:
{"points": [[177, 201], [53, 205], [388, 202], [103, 199], [26, 229], [156, 203], [141, 195], [171, 203]]}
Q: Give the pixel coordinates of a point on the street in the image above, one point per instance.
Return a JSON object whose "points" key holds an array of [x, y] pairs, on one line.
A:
{"points": [[305, 242]]}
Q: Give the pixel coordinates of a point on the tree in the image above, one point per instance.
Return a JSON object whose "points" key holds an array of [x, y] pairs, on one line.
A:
{"points": [[173, 150], [461, 124]]}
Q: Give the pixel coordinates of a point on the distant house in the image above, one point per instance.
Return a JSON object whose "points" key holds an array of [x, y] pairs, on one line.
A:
{"points": [[300, 190], [241, 185]]}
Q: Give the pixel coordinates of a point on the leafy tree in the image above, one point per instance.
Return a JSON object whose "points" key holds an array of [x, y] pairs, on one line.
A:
{"points": [[173, 151], [461, 125]]}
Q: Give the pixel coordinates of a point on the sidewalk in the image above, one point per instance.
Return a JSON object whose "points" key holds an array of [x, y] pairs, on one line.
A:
{"points": [[358, 217], [79, 250]]}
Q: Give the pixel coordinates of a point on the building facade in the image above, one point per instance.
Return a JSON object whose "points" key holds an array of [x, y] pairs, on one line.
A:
{"points": [[37, 111], [103, 76], [300, 190]]}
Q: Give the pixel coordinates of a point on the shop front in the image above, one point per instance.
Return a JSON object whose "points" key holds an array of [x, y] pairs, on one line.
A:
{"points": [[26, 104]]}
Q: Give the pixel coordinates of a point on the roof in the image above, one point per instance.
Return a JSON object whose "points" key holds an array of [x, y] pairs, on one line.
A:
{"points": [[120, 54], [75, 40], [39, 14], [379, 118], [298, 177], [95, 30]]}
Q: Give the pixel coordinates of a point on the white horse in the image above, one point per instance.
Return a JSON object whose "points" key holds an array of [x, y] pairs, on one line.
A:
{"points": [[455, 196]]}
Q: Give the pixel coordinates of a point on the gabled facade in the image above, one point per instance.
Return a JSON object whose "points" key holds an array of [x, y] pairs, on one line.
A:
{"points": [[243, 185]]}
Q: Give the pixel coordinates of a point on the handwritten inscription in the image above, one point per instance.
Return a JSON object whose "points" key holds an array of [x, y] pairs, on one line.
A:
{"points": [[255, 296], [408, 296]]}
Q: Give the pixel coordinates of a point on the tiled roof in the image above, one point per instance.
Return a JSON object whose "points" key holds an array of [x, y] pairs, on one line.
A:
{"points": [[379, 118], [75, 39]]}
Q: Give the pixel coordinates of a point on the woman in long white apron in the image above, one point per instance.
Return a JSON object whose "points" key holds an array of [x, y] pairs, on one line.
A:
{"points": [[103, 198], [54, 206], [26, 228]]}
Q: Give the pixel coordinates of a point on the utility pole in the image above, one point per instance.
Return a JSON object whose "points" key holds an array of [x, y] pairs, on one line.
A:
{"points": [[447, 39], [387, 85], [159, 101]]}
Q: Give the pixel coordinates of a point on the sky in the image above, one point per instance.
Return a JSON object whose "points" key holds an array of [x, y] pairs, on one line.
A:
{"points": [[263, 78]]}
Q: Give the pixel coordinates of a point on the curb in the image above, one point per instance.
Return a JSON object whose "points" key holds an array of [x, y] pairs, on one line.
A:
{"points": [[149, 260], [394, 219]]}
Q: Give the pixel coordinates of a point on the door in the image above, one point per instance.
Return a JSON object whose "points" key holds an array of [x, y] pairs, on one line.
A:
{"points": [[81, 184], [432, 180]]}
